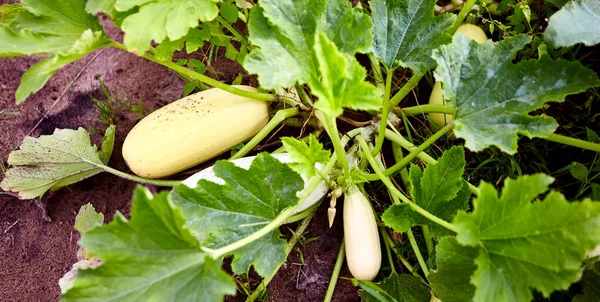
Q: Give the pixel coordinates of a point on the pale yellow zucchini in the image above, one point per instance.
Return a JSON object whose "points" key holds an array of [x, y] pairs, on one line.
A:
{"points": [[361, 236], [192, 130]]}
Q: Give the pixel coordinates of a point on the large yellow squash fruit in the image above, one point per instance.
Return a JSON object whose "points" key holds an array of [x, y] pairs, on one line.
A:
{"points": [[192, 130], [436, 98]]}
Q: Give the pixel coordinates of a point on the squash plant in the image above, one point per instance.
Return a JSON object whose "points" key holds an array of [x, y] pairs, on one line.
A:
{"points": [[483, 244]]}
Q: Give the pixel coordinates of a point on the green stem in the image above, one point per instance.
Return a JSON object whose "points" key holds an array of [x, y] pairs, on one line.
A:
{"points": [[466, 9], [414, 153], [157, 182], [405, 262], [234, 31], [388, 249], [336, 273], [565, 140], [427, 108], [415, 247], [331, 128], [384, 112], [202, 78], [388, 183], [405, 90], [428, 238], [423, 156], [397, 152], [291, 243], [277, 119]]}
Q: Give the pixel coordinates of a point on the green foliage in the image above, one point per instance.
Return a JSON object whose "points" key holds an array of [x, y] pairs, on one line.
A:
{"points": [[493, 96], [576, 22], [403, 287], [305, 156], [524, 243], [451, 281]]}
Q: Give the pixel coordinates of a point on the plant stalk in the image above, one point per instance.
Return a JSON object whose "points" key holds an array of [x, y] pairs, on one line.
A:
{"points": [[277, 119], [157, 182], [405, 90], [336, 273], [331, 128], [234, 32], [466, 9], [565, 140], [384, 112], [415, 247], [426, 108], [202, 78]]}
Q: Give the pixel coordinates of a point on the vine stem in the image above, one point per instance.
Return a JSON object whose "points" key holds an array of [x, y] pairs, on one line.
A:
{"points": [[565, 140], [426, 108], [234, 31], [277, 119], [415, 247], [422, 155], [288, 249], [275, 223], [384, 112], [413, 153], [388, 183], [331, 128], [466, 9], [157, 182], [336, 273], [202, 78], [388, 249], [405, 262], [405, 90]]}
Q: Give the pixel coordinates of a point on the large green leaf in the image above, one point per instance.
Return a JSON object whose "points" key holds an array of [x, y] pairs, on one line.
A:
{"points": [[286, 31], [406, 31], [493, 96], [440, 190], [152, 257], [524, 243], [60, 28], [305, 156], [53, 161], [341, 83], [576, 22], [451, 281], [249, 200]]}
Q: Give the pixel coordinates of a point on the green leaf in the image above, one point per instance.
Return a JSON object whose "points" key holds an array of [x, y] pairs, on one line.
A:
{"points": [[229, 12], [9, 12], [493, 96], [577, 22], [87, 219], [51, 162], [285, 31], [108, 144], [578, 171], [401, 288], [305, 156], [157, 20], [406, 31], [455, 265], [152, 257], [249, 200], [440, 190], [524, 244], [60, 28], [595, 191], [166, 49], [341, 83]]}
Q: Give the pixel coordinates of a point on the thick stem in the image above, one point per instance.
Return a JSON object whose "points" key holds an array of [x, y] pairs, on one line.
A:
{"points": [[336, 273], [414, 153], [565, 140], [398, 156], [277, 119], [157, 182], [204, 79], [415, 247], [426, 108], [388, 183], [466, 9], [384, 112], [291, 243], [405, 90], [331, 128], [423, 156], [234, 31]]}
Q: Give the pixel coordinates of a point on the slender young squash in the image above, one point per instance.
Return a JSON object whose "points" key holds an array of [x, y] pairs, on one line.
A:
{"points": [[361, 236], [245, 163], [192, 130], [436, 98]]}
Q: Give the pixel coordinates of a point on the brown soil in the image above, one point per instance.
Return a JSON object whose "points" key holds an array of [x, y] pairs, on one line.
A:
{"points": [[37, 240]]}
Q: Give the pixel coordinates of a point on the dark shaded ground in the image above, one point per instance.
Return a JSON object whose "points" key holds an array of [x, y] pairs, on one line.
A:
{"points": [[35, 252]]}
